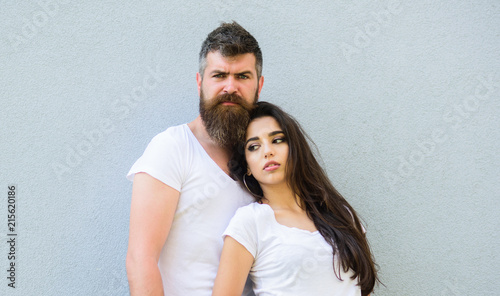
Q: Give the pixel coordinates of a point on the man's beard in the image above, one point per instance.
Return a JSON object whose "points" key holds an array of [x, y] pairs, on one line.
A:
{"points": [[226, 125]]}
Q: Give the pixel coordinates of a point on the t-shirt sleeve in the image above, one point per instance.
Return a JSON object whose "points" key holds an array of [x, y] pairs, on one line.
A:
{"points": [[162, 160], [243, 229]]}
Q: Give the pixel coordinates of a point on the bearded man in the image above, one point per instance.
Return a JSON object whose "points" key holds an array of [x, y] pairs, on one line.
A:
{"points": [[183, 196]]}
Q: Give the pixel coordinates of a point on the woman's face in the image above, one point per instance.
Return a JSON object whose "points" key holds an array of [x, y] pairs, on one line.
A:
{"points": [[266, 151]]}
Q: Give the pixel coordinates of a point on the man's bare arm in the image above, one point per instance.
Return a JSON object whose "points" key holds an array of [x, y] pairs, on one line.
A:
{"points": [[151, 215]]}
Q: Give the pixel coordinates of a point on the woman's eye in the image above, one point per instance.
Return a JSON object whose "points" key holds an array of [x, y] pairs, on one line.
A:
{"points": [[253, 147], [279, 140]]}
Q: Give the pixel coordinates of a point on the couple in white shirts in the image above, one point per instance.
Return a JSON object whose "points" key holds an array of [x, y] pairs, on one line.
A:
{"points": [[292, 233]]}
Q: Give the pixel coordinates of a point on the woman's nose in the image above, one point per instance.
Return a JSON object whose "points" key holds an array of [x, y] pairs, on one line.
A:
{"points": [[268, 151]]}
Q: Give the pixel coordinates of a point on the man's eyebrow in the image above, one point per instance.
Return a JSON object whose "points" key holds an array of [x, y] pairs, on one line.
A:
{"points": [[270, 134], [248, 72], [244, 73], [218, 72]]}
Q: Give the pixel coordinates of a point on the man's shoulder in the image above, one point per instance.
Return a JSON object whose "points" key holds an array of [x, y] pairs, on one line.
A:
{"points": [[173, 131], [174, 135]]}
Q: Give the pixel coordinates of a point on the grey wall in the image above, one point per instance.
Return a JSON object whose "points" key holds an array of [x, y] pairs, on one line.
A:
{"points": [[402, 100]]}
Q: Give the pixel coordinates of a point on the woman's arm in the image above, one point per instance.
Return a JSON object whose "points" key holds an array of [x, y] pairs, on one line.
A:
{"points": [[235, 263], [151, 215]]}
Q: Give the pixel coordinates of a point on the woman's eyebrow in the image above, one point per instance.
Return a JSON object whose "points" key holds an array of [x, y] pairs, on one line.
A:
{"points": [[270, 134], [275, 133], [251, 139]]}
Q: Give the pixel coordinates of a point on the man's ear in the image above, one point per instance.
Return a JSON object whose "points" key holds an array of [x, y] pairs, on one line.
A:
{"points": [[198, 82], [261, 83]]}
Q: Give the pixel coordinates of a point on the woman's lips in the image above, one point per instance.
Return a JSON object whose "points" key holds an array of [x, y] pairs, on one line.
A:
{"points": [[271, 166]]}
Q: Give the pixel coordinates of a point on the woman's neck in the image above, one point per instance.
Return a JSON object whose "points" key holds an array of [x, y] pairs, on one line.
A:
{"points": [[280, 197], [287, 209]]}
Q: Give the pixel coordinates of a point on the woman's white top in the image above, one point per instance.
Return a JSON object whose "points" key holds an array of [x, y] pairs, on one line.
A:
{"points": [[287, 260]]}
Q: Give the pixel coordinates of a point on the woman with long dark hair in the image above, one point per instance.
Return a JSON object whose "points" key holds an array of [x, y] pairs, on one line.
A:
{"points": [[300, 237]]}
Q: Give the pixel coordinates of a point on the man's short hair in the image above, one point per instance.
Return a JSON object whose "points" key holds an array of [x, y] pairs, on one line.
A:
{"points": [[230, 39]]}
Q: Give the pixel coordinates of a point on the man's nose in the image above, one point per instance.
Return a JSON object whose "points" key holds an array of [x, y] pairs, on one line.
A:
{"points": [[230, 86]]}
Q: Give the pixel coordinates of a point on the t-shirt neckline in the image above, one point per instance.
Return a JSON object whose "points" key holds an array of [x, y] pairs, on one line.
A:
{"points": [[316, 232], [191, 135]]}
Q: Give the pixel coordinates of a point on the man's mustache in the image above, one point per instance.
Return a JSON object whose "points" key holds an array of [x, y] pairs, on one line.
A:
{"points": [[232, 98]]}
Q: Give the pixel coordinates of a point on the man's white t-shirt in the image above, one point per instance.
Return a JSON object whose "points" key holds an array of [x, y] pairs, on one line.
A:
{"points": [[288, 261], [208, 199]]}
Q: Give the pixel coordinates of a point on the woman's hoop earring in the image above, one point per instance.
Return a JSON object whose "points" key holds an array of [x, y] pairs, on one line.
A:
{"points": [[245, 182]]}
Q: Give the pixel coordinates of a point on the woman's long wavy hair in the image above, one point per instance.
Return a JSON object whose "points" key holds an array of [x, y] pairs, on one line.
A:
{"points": [[332, 215]]}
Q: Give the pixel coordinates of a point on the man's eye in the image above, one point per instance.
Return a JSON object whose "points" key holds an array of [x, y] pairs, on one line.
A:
{"points": [[243, 76], [218, 76]]}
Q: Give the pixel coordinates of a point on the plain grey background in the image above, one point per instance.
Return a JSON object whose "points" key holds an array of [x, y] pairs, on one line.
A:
{"points": [[401, 98]]}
